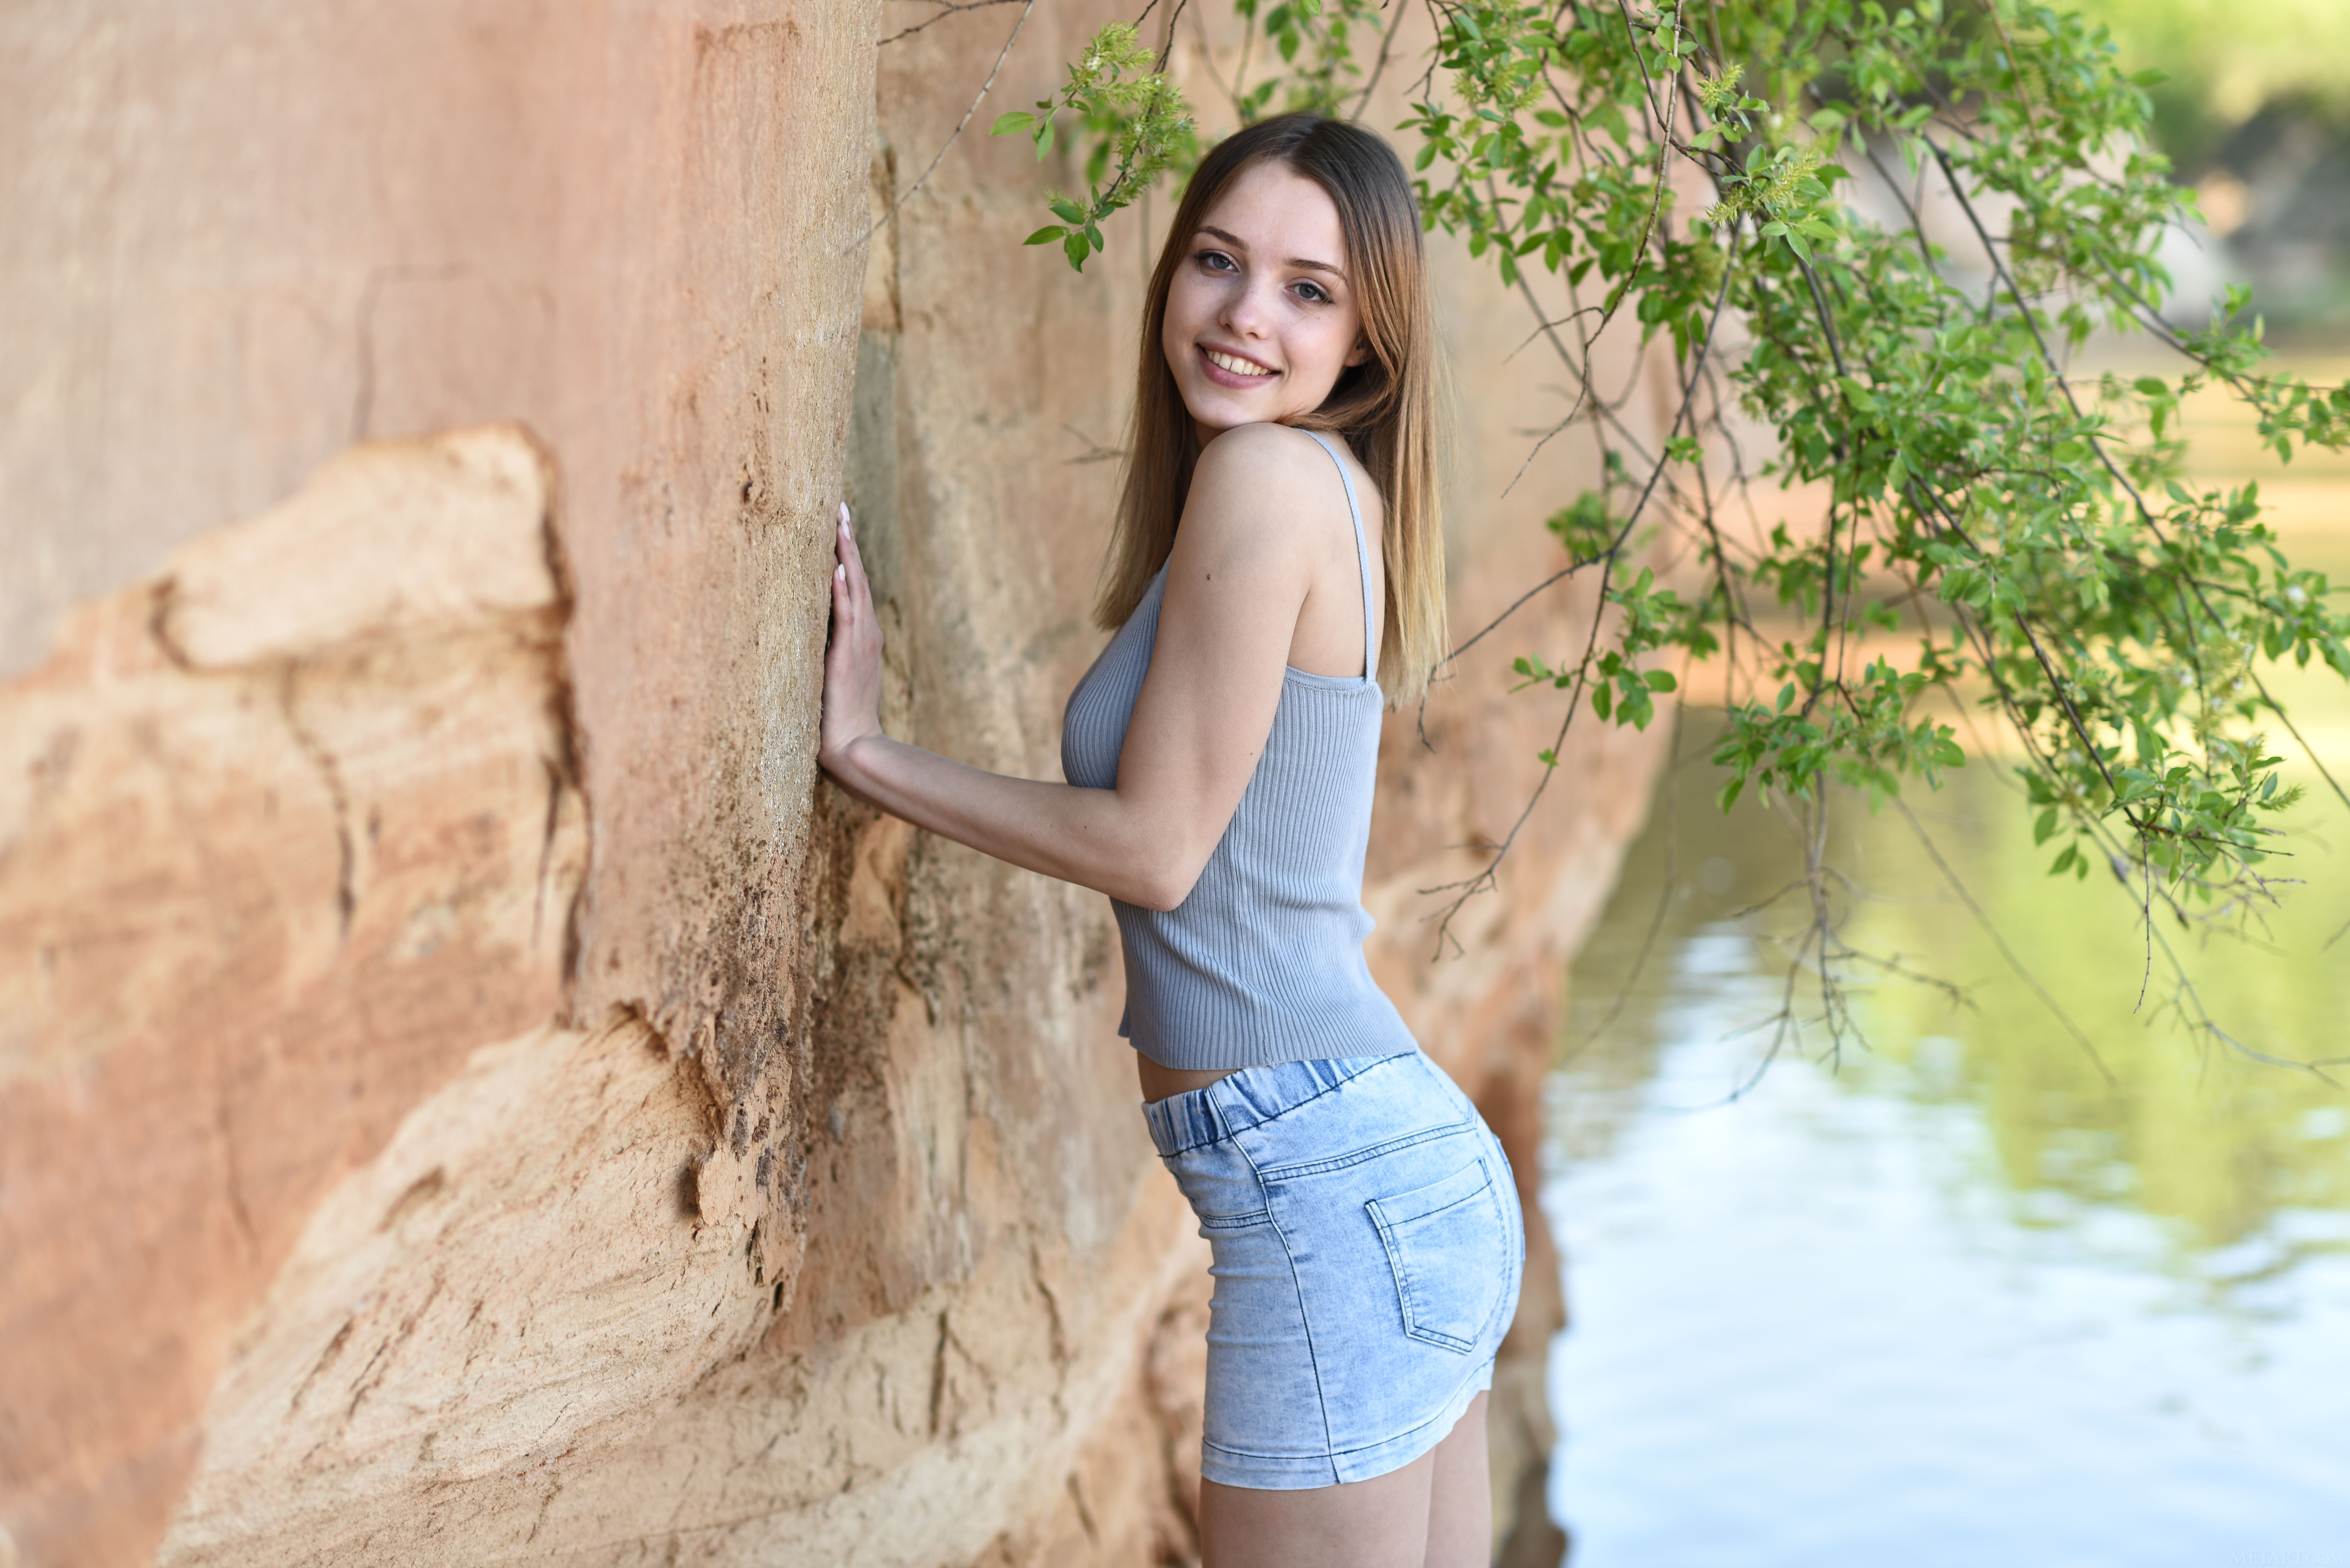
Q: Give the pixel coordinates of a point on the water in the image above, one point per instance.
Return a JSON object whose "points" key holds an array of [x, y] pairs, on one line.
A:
{"points": [[1947, 1297], [1946, 1294]]}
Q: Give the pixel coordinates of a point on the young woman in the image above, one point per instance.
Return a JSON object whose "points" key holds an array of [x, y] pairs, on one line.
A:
{"points": [[1279, 492]]}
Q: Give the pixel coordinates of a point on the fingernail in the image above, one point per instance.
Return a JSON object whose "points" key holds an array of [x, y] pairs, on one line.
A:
{"points": [[840, 573]]}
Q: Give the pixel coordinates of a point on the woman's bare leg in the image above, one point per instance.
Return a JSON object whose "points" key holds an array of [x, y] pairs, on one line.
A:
{"points": [[1460, 1496], [1378, 1523], [1435, 1512]]}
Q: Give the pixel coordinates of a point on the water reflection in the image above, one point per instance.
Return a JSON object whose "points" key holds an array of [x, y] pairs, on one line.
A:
{"points": [[1949, 1295]]}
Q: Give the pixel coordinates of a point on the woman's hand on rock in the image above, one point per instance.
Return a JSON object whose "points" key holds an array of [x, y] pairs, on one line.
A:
{"points": [[852, 660]]}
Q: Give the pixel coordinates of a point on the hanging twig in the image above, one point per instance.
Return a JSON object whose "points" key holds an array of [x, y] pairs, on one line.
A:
{"points": [[984, 87], [1926, 840], [946, 8]]}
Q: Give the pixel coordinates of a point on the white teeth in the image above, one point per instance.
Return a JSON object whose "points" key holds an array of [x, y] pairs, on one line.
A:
{"points": [[1237, 367]]}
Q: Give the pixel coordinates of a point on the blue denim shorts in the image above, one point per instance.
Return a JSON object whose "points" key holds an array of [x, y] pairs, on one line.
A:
{"points": [[1367, 1250]]}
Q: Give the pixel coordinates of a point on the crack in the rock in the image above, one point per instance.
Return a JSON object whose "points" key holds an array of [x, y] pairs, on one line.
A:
{"points": [[330, 773], [556, 787]]}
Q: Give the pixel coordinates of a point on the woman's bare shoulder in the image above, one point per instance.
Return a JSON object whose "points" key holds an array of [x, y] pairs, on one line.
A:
{"points": [[1276, 470], [1259, 453]]}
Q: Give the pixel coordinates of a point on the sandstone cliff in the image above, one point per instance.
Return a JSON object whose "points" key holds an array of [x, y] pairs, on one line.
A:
{"points": [[468, 1092]]}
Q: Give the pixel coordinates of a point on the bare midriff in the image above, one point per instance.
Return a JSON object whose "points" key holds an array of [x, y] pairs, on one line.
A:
{"points": [[1158, 1083]]}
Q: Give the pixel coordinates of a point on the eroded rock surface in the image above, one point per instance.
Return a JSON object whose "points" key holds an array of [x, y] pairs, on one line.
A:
{"points": [[285, 833]]}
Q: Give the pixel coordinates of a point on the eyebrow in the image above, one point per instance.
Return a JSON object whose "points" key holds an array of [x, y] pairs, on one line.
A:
{"points": [[1239, 243]]}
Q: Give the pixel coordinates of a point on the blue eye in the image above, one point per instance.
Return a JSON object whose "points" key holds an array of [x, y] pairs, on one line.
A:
{"points": [[1214, 261], [1314, 292]]}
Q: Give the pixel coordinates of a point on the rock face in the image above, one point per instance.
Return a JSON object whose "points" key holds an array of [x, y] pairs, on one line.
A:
{"points": [[274, 864], [467, 1089]]}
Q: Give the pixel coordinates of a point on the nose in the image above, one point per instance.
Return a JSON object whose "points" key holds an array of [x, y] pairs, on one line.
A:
{"points": [[1248, 309]]}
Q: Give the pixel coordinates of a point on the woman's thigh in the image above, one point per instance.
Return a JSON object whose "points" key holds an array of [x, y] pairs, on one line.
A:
{"points": [[1434, 1513]]}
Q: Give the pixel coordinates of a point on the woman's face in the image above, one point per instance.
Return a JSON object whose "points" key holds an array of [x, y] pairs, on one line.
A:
{"points": [[1261, 317]]}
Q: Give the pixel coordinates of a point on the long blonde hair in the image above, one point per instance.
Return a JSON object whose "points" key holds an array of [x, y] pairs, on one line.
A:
{"points": [[1386, 409]]}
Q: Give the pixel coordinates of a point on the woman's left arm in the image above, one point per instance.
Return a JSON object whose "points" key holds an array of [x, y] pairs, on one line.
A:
{"points": [[1234, 587]]}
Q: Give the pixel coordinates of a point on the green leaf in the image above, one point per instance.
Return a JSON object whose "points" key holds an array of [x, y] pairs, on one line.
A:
{"points": [[1066, 210], [1660, 681], [1006, 124], [1046, 236]]}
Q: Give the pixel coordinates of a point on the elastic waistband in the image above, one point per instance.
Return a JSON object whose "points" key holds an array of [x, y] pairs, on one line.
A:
{"points": [[1248, 1098]]}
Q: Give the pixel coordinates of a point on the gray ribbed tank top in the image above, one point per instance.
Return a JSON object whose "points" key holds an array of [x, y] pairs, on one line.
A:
{"points": [[1264, 961]]}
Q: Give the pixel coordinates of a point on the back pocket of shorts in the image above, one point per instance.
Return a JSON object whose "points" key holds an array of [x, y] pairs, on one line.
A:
{"points": [[1450, 1258]]}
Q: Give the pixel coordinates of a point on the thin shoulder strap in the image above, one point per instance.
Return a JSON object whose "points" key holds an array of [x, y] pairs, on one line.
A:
{"points": [[1362, 552]]}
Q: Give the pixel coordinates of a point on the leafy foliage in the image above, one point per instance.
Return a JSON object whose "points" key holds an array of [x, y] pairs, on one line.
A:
{"points": [[1992, 529], [1138, 118]]}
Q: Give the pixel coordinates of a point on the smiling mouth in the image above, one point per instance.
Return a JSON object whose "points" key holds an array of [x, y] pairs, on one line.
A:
{"points": [[1232, 364]]}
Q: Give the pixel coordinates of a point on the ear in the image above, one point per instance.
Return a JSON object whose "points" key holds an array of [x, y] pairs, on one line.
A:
{"points": [[1359, 353]]}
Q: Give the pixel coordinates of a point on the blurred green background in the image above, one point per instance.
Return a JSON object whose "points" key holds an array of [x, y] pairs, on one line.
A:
{"points": [[1947, 1293], [2256, 115]]}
